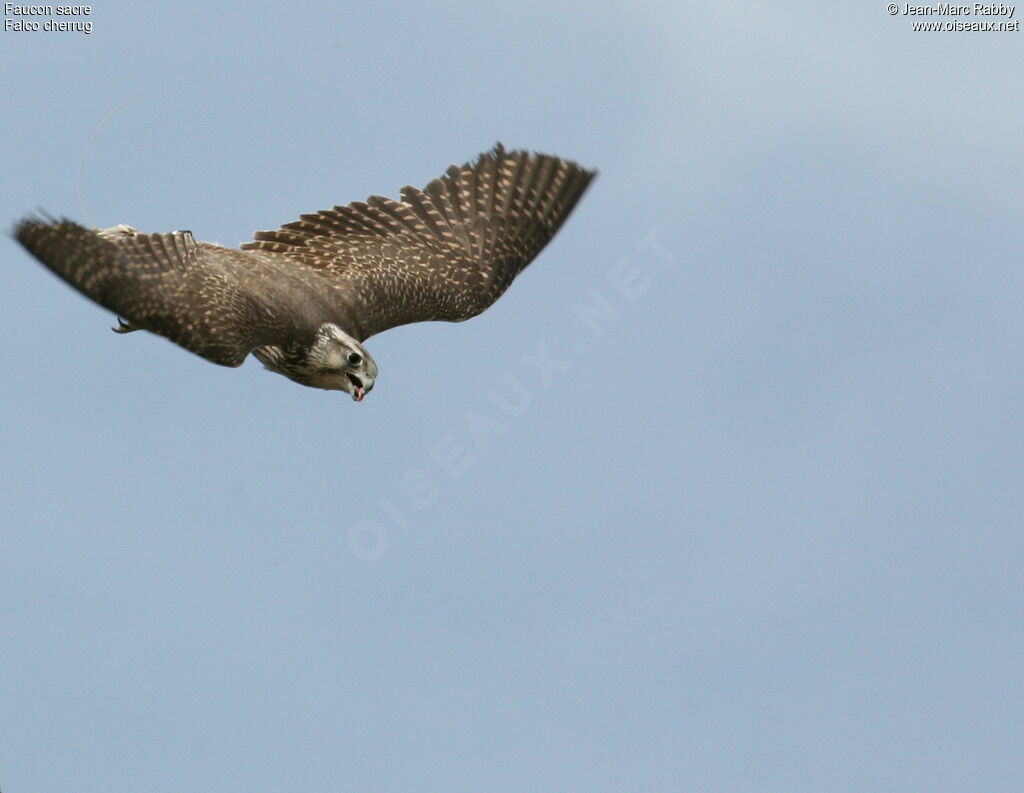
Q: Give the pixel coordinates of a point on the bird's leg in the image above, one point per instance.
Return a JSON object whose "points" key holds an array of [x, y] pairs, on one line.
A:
{"points": [[114, 233], [124, 326]]}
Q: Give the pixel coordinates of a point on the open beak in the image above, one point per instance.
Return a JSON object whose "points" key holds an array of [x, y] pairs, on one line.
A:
{"points": [[358, 392]]}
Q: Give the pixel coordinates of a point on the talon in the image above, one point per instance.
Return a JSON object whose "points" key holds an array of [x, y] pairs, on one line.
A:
{"points": [[123, 326]]}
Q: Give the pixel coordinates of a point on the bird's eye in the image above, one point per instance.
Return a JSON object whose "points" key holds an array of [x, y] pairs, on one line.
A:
{"points": [[355, 359]]}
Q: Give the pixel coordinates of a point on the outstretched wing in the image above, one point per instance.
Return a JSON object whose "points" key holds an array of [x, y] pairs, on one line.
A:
{"points": [[442, 253], [215, 302]]}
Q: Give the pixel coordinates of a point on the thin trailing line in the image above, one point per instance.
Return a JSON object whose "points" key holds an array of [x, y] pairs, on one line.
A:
{"points": [[85, 156]]}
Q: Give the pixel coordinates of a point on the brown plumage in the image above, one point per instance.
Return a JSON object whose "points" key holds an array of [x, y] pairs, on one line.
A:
{"points": [[446, 252]]}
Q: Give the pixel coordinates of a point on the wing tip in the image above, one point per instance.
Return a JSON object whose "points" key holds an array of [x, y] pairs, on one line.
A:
{"points": [[37, 220], [498, 154]]}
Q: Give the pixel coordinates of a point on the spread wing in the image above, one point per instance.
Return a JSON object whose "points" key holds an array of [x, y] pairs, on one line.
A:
{"points": [[216, 302], [442, 253], [446, 252]]}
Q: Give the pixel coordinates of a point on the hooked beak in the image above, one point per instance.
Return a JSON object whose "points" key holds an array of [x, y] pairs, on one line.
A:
{"points": [[358, 389]]}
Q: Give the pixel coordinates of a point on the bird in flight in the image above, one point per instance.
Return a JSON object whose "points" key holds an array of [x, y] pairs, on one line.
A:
{"points": [[304, 298]]}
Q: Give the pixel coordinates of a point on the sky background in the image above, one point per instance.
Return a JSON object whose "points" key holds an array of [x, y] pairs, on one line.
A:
{"points": [[725, 494]]}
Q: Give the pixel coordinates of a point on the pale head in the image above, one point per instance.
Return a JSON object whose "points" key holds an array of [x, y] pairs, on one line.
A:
{"points": [[334, 361]]}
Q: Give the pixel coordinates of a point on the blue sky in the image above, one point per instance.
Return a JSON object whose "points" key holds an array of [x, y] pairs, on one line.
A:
{"points": [[725, 494]]}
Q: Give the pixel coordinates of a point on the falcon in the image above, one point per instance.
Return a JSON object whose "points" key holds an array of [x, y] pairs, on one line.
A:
{"points": [[303, 298]]}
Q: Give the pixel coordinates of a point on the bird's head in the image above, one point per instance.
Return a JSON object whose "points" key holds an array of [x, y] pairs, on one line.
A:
{"points": [[334, 361], [337, 362]]}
